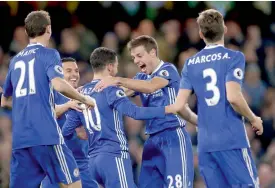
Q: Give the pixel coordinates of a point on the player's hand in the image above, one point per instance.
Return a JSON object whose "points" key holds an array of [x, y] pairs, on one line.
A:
{"points": [[257, 125], [1, 90], [79, 88], [89, 101], [81, 133], [106, 82], [73, 104]]}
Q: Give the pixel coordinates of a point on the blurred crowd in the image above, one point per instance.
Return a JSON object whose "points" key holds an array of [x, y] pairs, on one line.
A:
{"points": [[80, 27]]}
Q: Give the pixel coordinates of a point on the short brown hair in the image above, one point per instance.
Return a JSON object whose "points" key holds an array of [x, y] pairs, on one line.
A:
{"points": [[101, 57], [36, 23], [211, 25], [146, 41]]}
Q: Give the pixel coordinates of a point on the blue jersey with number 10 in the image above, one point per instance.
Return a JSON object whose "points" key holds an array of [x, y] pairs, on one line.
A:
{"points": [[220, 127], [29, 83]]}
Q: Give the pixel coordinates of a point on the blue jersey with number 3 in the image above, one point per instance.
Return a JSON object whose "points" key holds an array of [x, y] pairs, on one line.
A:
{"points": [[220, 127], [28, 82]]}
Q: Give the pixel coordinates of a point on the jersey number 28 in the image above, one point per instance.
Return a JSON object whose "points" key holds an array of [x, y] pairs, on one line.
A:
{"points": [[211, 86]]}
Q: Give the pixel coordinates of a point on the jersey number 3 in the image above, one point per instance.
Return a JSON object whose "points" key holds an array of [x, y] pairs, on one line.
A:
{"points": [[19, 91], [211, 86]]}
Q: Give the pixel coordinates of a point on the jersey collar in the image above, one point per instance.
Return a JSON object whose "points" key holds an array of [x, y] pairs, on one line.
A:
{"points": [[213, 46], [158, 67], [34, 44]]}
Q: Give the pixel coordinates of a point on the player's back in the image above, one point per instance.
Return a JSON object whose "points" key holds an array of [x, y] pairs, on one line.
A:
{"points": [[33, 102], [220, 127], [104, 123]]}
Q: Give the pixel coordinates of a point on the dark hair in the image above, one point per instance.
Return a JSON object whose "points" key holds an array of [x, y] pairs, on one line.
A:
{"points": [[68, 59], [101, 57], [211, 24], [146, 41], [36, 23]]}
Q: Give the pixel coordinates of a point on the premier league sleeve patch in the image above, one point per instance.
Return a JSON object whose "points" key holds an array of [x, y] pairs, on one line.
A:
{"points": [[58, 69], [120, 93], [164, 73], [238, 73]]}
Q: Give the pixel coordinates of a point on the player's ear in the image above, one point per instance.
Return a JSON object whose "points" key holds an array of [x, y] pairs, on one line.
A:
{"points": [[49, 29], [225, 29], [153, 52]]}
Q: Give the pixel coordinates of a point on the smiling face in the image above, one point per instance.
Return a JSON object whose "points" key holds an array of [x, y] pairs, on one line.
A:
{"points": [[143, 59], [71, 73]]}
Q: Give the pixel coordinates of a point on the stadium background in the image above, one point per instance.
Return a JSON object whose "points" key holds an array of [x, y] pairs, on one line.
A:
{"points": [[80, 27]]}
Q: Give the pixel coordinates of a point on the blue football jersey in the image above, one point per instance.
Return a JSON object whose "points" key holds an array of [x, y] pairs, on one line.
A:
{"points": [[104, 123], [220, 127], [28, 82], [78, 147], [162, 97]]}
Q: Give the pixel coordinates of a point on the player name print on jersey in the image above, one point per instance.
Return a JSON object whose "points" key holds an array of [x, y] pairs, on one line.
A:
{"points": [[208, 58]]}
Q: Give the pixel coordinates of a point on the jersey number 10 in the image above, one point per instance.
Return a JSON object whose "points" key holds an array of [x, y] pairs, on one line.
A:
{"points": [[211, 86], [19, 91], [90, 123]]}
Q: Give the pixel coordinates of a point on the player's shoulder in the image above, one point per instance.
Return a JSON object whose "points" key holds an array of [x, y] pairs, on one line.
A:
{"points": [[166, 69], [50, 52]]}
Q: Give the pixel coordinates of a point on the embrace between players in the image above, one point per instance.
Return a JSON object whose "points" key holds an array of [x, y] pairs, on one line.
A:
{"points": [[47, 124]]}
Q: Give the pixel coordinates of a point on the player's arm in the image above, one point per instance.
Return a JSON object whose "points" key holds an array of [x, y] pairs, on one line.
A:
{"points": [[180, 106], [6, 98], [234, 79], [117, 99], [72, 122], [142, 86], [62, 108]]}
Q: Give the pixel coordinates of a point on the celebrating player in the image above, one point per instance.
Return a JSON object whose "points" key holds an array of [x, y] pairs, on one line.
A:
{"points": [[216, 76], [167, 156], [108, 148], [79, 147], [38, 145]]}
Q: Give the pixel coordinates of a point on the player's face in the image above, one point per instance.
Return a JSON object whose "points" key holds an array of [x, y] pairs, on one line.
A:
{"points": [[114, 68], [143, 59], [71, 73]]}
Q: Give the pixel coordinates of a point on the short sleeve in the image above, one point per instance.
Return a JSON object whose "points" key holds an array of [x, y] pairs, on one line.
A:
{"points": [[53, 65], [7, 88], [168, 72], [235, 71], [185, 82], [114, 95]]}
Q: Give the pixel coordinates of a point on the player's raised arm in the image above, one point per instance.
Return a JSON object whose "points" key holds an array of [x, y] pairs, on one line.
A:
{"points": [[234, 79], [117, 99]]}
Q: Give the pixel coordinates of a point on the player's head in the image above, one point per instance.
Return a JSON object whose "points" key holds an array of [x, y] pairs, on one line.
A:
{"points": [[144, 52], [71, 71], [104, 59], [211, 24], [38, 23]]}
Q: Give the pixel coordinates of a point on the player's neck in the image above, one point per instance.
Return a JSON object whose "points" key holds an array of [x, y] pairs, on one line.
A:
{"points": [[39, 40], [100, 75], [220, 42], [156, 64]]}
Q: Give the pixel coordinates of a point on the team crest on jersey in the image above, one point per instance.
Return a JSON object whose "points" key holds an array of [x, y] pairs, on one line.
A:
{"points": [[164, 73], [120, 93], [76, 172], [58, 69], [238, 73]]}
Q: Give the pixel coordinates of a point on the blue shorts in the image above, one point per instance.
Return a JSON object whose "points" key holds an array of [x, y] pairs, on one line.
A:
{"points": [[86, 180], [29, 166], [230, 168], [111, 171], [167, 160]]}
